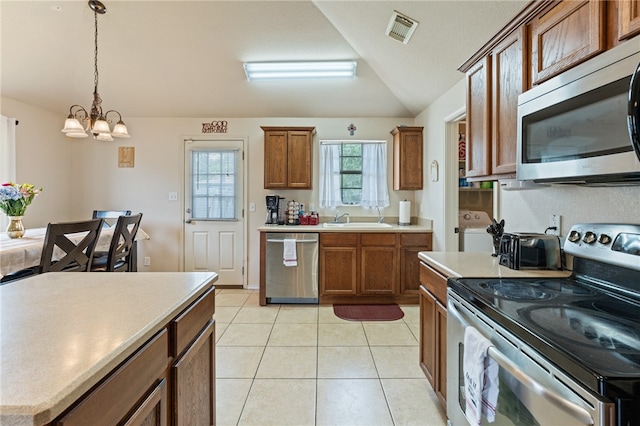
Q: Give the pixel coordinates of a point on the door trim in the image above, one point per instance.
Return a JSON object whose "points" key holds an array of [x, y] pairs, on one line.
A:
{"points": [[450, 174], [245, 188]]}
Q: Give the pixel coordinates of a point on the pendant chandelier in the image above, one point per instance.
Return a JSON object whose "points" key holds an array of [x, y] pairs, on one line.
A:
{"points": [[95, 122]]}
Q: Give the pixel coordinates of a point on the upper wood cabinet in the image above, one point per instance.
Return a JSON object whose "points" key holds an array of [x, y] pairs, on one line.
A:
{"points": [[288, 157], [407, 158], [509, 80], [493, 86], [565, 35], [479, 118], [628, 18]]}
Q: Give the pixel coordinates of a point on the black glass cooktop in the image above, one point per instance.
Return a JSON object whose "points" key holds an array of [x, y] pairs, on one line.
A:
{"points": [[586, 325]]}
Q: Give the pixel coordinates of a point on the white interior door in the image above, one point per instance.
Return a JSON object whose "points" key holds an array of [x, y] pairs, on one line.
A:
{"points": [[214, 224]]}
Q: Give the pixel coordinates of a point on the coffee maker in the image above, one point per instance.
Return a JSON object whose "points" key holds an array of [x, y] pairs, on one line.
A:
{"points": [[273, 209]]}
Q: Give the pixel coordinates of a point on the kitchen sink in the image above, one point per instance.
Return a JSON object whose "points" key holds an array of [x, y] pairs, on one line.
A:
{"points": [[356, 225]]}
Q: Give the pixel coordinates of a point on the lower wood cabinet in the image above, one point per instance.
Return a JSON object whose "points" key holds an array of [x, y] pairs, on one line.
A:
{"points": [[381, 267], [433, 330], [170, 379]]}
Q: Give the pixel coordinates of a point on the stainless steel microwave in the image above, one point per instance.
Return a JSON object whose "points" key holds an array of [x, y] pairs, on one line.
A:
{"points": [[582, 126]]}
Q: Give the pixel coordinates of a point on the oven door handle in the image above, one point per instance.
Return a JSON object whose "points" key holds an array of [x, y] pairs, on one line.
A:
{"points": [[567, 406]]}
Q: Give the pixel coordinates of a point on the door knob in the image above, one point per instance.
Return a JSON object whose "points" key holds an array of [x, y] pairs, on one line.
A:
{"points": [[187, 221]]}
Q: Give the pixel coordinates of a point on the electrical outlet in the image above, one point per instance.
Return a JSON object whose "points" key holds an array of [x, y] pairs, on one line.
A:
{"points": [[555, 223], [147, 261]]}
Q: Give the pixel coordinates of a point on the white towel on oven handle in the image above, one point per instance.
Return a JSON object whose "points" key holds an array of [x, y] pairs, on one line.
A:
{"points": [[480, 378], [289, 254]]}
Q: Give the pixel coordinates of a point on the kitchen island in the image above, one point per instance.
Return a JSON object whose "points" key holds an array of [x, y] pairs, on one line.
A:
{"points": [[101, 348]]}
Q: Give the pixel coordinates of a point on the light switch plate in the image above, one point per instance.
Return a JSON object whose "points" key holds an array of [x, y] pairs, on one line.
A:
{"points": [[173, 196]]}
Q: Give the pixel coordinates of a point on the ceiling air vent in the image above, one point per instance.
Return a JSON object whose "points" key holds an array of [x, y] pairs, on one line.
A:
{"points": [[401, 27]]}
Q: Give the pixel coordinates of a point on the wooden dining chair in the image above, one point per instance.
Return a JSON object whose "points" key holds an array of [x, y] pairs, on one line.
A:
{"points": [[110, 216], [119, 256], [62, 254]]}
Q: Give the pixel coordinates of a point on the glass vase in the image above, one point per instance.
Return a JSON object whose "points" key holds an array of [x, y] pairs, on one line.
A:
{"points": [[15, 228]]}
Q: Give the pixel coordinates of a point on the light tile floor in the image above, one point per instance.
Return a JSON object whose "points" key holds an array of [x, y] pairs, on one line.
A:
{"points": [[302, 365]]}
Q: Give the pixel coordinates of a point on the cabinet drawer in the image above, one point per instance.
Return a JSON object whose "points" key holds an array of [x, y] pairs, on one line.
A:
{"points": [[378, 240], [434, 282], [191, 321], [112, 399], [414, 239], [338, 239]]}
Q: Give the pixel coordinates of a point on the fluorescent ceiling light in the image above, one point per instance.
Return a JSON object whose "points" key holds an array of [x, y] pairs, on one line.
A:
{"points": [[293, 70]]}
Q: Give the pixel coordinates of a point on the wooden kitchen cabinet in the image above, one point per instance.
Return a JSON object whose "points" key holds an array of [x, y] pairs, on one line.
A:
{"points": [[407, 158], [140, 378], [379, 264], [433, 330], [628, 18], [380, 267], [288, 157], [566, 34], [509, 80], [410, 245], [148, 388], [193, 369], [339, 255], [479, 118], [493, 87]]}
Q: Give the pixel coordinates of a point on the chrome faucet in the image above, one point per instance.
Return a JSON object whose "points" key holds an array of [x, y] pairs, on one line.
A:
{"points": [[340, 216], [380, 218]]}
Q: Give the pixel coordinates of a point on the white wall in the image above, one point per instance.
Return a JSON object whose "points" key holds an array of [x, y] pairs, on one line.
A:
{"points": [[524, 210], [433, 196], [43, 158], [82, 175]]}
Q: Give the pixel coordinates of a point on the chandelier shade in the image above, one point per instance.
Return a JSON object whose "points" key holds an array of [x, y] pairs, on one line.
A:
{"points": [[79, 121]]}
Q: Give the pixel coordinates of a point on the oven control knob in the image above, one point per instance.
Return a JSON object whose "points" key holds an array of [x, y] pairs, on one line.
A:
{"points": [[467, 216], [589, 237], [574, 236], [604, 239]]}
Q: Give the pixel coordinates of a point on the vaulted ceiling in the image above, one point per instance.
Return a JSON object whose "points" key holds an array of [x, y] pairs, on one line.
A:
{"points": [[184, 58]]}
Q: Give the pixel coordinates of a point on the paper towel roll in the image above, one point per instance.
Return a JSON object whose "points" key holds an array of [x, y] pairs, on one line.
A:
{"points": [[405, 213]]}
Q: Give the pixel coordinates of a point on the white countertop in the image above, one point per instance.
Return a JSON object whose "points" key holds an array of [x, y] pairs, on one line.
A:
{"points": [[360, 228], [481, 265], [61, 332]]}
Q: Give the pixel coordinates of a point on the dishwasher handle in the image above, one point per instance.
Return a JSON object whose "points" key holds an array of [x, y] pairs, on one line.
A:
{"points": [[297, 241]]}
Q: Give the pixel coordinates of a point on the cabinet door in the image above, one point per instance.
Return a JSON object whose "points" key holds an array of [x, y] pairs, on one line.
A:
{"points": [[153, 410], [378, 264], [509, 81], [411, 245], [479, 118], [299, 159], [378, 271], [566, 35], [427, 334], [194, 382], [275, 159], [440, 382], [407, 158], [628, 18], [338, 264]]}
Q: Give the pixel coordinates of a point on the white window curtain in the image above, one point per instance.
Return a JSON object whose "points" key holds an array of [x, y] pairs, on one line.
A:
{"points": [[7, 156], [330, 195], [374, 175], [375, 191]]}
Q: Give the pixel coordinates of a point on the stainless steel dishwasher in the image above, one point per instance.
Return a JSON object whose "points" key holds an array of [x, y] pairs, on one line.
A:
{"points": [[292, 284]]}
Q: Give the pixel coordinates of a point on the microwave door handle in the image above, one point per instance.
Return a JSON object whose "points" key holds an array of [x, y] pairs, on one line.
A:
{"points": [[633, 117], [567, 406]]}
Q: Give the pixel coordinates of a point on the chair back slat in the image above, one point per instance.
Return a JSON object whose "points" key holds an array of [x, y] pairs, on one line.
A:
{"points": [[109, 216], [74, 256], [122, 242]]}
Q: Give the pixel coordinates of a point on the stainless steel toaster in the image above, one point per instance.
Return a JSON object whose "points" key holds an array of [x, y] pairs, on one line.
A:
{"points": [[530, 251]]}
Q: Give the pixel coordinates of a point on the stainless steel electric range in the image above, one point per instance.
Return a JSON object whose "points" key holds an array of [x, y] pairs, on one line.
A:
{"points": [[568, 348]]}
